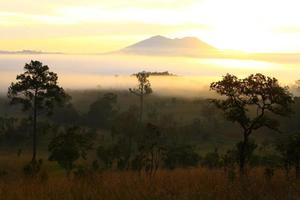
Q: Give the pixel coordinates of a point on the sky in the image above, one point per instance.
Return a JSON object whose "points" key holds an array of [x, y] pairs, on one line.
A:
{"points": [[95, 26]]}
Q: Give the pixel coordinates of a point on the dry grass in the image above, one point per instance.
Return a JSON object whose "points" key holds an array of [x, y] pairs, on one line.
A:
{"points": [[180, 184]]}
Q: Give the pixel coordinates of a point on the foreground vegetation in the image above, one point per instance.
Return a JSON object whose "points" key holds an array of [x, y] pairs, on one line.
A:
{"points": [[198, 183]]}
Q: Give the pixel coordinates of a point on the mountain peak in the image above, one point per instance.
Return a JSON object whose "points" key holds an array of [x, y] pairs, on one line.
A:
{"points": [[158, 37], [161, 45]]}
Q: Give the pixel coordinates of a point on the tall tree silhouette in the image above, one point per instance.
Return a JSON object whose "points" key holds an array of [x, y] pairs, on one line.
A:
{"points": [[143, 89], [37, 91], [250, 102]]}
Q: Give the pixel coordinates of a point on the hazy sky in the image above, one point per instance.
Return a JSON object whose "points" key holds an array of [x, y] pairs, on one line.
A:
{"points": [[89, 26]]}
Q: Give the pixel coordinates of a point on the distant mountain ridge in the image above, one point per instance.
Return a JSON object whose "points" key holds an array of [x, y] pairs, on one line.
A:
{"points": [[28, 52], [160, 45]]}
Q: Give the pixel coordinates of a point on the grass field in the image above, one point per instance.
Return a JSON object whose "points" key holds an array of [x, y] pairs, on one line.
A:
{"points": [[184, 184], [180, 184]]}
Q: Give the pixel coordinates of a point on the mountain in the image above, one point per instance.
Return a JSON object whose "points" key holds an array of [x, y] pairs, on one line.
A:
{"points": [[28, 52], [160, 45]]}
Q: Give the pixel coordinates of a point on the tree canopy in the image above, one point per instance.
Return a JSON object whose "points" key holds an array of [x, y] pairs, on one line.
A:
{"points": [[248, 101], [37, 87], [251, 102]]}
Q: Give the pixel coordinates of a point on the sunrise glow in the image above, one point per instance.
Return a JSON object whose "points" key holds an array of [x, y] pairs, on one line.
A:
{"points": [[100, 26]]}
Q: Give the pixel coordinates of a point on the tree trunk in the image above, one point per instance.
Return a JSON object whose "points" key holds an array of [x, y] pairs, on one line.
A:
{"points": [[242, 154], [34, 139], [141, 107], [297, 170]]}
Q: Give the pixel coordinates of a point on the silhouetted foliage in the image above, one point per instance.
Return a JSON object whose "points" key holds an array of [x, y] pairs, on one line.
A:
{"points": [[103, 111], [151, 150], [164, 73], [289, 149], [245, 151], [228, 162], [36, 90], [14, 131], [67, 115], [125, 131], [229, 158], [143, 89], [126, 123], [181, 155], [68, 146], [107, 154], [33, 168], [257, 93], [212, 159]]}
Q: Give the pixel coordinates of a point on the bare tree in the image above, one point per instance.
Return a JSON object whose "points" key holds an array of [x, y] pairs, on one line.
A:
{"points": [[143, 89]]}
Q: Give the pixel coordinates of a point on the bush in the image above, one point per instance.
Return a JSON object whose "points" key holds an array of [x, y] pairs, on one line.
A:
{"points": [[181, 156], [212, 159], [68, 146], [33, 168]]}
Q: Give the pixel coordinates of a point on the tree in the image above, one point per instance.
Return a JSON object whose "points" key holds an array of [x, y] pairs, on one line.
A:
{"points": [[246, 151], [13, 130], [6, 125], [289, 149], [69, 146], [151, 150], [212, 159], [66, 115], [250, 102], [107, 154], [181, 155], [37, 91], [103, 111], [125, 131], [143, 89]]}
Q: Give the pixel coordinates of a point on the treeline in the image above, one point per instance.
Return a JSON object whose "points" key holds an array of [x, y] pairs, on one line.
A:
{"points": [[138, 137], [165, 73]]}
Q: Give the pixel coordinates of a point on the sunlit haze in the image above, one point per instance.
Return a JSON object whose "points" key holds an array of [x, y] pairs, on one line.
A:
{"points": [[99, 44], [92, 26]]}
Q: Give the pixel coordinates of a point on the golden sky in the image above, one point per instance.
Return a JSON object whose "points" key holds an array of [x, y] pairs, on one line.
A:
{"points": [[91, 26]]}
